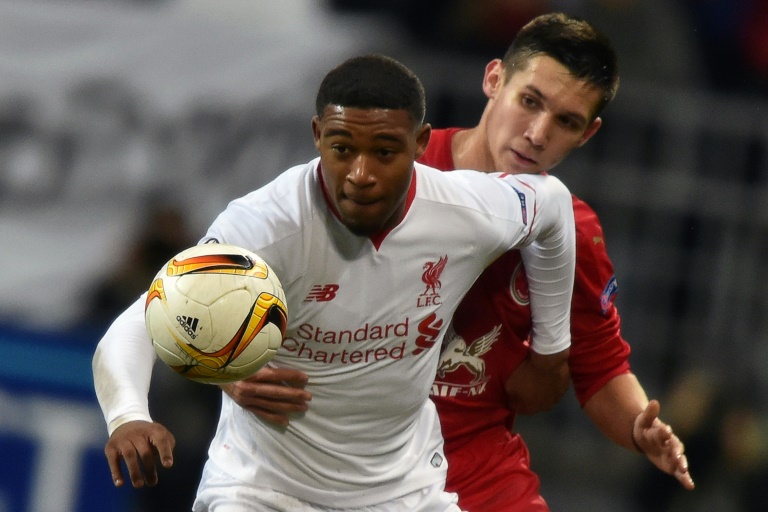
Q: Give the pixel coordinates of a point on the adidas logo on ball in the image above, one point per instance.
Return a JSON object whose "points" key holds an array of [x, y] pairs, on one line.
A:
{"points": [[189, 324]]}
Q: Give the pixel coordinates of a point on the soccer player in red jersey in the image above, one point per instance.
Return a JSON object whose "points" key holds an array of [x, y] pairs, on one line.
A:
{"points": [[544, 100]]}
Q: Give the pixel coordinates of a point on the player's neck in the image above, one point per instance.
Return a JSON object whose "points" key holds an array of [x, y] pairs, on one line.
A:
{"points": [[469, 150]]}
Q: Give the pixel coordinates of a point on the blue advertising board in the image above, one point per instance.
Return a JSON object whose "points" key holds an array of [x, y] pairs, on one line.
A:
{"points": [[52, 432]]}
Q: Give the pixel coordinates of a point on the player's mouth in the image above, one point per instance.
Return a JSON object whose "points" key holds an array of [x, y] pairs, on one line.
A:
{"points": [[360, 207], [359, 200], [523, 159]]}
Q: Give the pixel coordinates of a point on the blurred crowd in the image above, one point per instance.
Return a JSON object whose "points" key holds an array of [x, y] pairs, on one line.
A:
{"points": [[721, 44]]}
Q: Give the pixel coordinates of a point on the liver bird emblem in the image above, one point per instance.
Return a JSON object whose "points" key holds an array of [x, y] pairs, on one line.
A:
{"points": [[431, 275]]}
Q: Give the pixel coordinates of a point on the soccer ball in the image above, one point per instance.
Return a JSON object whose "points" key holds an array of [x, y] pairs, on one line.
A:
{"points": [[216, 313]]}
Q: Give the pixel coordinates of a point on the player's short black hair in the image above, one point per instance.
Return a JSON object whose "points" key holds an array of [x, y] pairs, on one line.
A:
{"points": [[573, 42], [373, 81]]}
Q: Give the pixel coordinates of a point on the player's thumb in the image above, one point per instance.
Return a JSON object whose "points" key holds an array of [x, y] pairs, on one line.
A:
{"points": [[649, 415]]}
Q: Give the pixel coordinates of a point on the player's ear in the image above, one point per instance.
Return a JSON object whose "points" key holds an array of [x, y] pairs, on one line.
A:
{"points": [[422, 139], [316, 131], [590, 131], [493, 79]]}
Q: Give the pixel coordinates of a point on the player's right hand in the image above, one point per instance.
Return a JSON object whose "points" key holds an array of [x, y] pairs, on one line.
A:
{"points": [[272, 394], [660, 444], [139, 444]]}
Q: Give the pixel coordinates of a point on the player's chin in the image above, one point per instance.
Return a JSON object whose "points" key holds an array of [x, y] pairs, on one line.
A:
{"points": [[517, 168], [360, 228], [363, 220]]}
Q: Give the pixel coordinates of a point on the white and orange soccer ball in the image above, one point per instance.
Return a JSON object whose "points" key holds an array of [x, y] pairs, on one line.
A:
{"points": [[216, 313]]}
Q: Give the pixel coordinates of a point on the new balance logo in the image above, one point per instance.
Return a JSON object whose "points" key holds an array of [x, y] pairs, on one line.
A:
{"points": [[322, 293], [189, 324]]}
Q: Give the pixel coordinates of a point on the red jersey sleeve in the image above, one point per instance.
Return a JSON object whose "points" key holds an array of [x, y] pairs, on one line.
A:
{"points": [[598, 351]]}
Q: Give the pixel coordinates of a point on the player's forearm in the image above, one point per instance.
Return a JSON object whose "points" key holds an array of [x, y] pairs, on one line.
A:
{"points": [[550, 263], [614, 408], [538, 383], [122, 369]]}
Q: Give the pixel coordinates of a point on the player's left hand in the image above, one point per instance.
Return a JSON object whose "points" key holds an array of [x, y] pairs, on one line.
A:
{"points": [[272, 394], [660, 444]]}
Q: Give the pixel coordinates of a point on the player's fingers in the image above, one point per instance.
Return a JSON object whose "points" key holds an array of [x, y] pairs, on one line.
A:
{"points": [[667, 437], [683, 475], [278, 406], [133, 463], [164, 445], [252, 393], [669, 443], [115, 469], [285, 393], [274, 418], [289, 376], [146, 454]]}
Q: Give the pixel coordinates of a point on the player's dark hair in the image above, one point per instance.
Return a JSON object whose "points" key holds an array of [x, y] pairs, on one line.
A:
{"points": [[373, 81], [573, 42]]}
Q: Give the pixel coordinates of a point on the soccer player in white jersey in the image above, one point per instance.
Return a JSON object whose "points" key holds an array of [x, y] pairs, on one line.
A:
{"points": [[374, 252]]}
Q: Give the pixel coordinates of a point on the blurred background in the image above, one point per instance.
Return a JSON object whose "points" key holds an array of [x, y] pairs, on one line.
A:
{"points": [[127, 125]]}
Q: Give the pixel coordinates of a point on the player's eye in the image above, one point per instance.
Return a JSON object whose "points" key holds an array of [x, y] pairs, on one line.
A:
{"points": [[340, 149], [570, 123], [529, 101]]}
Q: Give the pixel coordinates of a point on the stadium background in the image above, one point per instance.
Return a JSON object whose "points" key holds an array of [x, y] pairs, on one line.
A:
{"points": [[127, 125]]}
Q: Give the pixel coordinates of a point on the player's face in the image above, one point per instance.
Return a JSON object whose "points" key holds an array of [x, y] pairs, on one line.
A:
{"points": [[367, 160], [539, 116]]}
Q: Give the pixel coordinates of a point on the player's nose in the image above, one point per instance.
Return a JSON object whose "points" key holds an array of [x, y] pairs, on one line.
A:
{"points": [[361, 172], [538, 131]]}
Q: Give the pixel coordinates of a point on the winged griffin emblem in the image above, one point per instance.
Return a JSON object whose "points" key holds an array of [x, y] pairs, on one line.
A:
{"points": [[458, 353]]}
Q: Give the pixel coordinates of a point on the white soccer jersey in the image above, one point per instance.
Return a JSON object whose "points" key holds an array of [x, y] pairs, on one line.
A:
{"points": [[366, 316]]}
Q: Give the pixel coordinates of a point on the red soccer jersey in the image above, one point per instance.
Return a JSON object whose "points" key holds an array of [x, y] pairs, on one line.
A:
{"points": [[488, 465]]}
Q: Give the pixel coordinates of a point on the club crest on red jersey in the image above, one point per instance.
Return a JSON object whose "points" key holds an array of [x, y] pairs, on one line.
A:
{"points": [[431, 278], [518, 286]]}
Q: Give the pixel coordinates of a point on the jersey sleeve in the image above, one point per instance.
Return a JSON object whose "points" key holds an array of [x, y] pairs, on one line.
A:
{"points": [[549, 257], [122, 368], [598, 352]]}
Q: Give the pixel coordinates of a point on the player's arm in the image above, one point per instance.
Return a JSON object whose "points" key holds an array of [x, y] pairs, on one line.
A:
{"points": [[122, 370], [272, 394], [538, 383], [549, 262], [609, 393], [623, 413]]}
